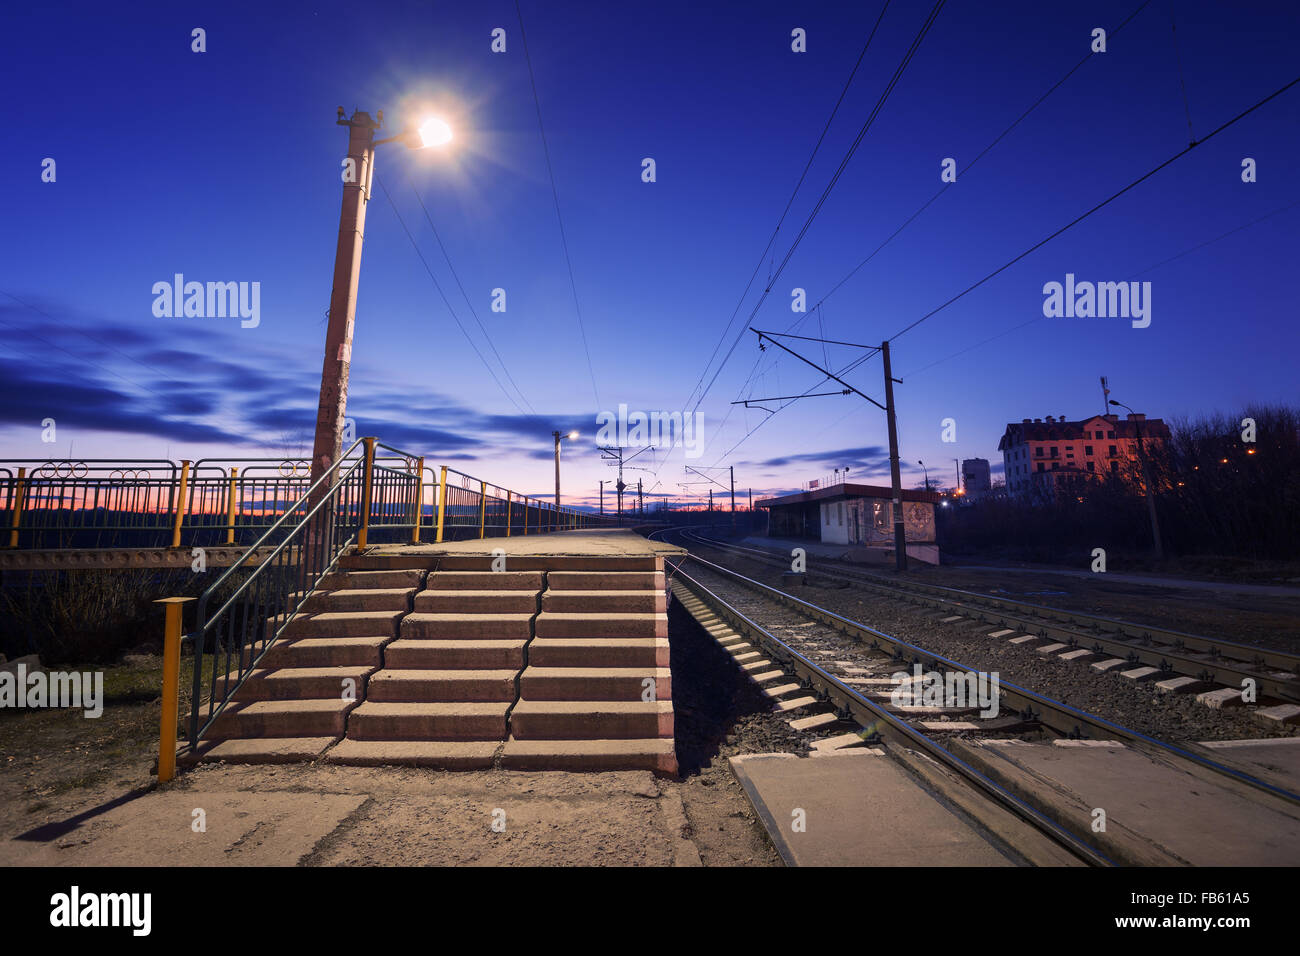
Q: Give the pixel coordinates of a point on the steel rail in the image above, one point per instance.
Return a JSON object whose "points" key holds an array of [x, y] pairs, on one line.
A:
{"points": [[887, 725], [1053, 713], [1276, 673]]}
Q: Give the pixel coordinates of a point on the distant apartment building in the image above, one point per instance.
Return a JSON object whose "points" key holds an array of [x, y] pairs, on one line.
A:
{"points": [[1040, 454], [975, 476]]}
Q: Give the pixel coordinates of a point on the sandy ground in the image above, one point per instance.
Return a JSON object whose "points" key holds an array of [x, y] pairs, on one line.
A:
{"points": [[327, 815], [79, 792]]}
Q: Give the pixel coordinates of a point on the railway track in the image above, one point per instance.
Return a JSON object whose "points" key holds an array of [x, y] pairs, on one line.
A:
{"points": [[1205, 660], [859, 682]]}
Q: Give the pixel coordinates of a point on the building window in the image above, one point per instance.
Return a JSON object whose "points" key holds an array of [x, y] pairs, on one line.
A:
{"points": [[1110, 434], [1056, 465], [1091, 467], [1040, 466], [1114, 467], [1038, 452], [1055, 451], [1087, 449], [1113, 451]]}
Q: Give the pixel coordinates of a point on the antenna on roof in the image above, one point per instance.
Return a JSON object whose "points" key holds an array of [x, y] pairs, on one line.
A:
{"points": [[1105, 396]]}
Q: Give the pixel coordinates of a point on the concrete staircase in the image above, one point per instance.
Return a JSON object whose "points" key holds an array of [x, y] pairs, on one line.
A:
{"points": [[560, 663]]}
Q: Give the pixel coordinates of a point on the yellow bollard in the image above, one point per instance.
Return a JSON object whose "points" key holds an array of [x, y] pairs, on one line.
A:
{"points": [[365, 493], [230, 506], [180, 504], [482, 508], [171, 679], [20, 492], [442, 501], [419, 500]]}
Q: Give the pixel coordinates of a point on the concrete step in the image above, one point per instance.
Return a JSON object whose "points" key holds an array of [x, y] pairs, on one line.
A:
{"points": [[455, 655], [599, 652], [485, 580], [591, 720], [465, 601], [385, 720], [554, 624], [605, 601], [326, 652], [436, 754], [260, 750], [442, 686], [361, 599], [594, 683], [373, 579], [653, 753], [466, 626], [606, 580], [344, 624], [281, 718], [302, 683]]}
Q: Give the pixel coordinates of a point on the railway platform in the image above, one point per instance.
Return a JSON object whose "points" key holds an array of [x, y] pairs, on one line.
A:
{"points": [[541, 653]]}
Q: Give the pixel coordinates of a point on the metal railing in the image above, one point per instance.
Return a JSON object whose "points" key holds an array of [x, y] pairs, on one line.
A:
{"points": [[243, 612], [233, 502], [470, 507], [158, 504], [373, 491]]}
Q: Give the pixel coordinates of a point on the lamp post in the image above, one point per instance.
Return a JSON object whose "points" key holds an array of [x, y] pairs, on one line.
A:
{"points": [[1146, 482], [927, 474], [357, 175], [558, 438]]}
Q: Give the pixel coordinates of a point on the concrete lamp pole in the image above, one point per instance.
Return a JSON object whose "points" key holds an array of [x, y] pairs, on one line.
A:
{"points": [[1157, 545], [358, 173], [558, 438]]}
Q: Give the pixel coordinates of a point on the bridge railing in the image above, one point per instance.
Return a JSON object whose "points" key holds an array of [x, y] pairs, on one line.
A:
{"points": [[161, 503], [470, 507]]}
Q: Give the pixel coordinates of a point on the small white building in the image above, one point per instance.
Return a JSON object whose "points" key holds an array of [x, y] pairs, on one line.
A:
{"points": [[856, 516]]}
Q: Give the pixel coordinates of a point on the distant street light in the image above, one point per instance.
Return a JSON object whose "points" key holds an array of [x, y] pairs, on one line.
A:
{"points": [[558, 438], [927, 474], [358, 172], [1146, 481]]}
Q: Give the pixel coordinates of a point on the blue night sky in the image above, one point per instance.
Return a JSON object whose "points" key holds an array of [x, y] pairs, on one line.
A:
{"points": [[225, 166]]}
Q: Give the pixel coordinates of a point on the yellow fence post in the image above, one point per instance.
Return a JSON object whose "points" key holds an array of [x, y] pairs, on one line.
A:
{"points": [[509, 510], [482, 508], [20, 491], [419, 500], [171, 680], [442, 502], [180, 504], [230, 506], [365, 492]]}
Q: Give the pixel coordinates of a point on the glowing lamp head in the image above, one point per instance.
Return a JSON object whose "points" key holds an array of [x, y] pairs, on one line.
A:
{"points": [[432, 132], [572, 435]]}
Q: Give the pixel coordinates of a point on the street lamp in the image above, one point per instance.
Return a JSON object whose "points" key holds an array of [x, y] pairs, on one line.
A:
{"points": [[358, 172], [927, 474], [558, 438], [1146, 481]]}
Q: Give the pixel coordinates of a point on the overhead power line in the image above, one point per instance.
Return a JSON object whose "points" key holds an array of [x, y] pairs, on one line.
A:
{"points": [[465, 296], [835, 178], [460, 325], [1101, 205], [555, 194]]}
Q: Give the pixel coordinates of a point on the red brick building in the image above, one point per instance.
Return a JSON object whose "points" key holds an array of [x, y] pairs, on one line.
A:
{"points": [[1040, 454]]}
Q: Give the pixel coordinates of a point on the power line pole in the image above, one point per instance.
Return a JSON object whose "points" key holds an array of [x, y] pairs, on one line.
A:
{"points": [[733, 498], [895, 480], [602, 498]]}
